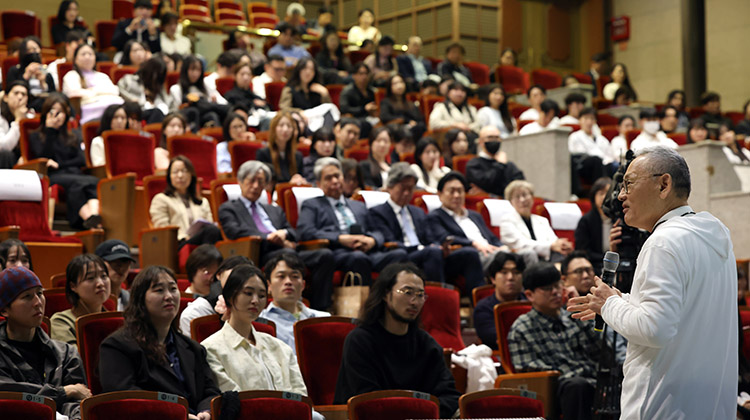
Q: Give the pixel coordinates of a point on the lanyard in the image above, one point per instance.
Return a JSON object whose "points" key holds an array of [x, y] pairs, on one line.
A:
{"points": [[682, 215]]}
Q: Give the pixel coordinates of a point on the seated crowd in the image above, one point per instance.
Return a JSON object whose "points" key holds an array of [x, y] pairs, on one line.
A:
{"points": [[308, 134]]}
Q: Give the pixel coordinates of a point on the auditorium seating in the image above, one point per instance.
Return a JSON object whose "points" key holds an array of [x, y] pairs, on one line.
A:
{"points": [[276, 405], [440, 315], [200, 151], [203, 327], [20, 23], [490, 402], [142, 405], [92, 329], [394, 404], [22, 406]]}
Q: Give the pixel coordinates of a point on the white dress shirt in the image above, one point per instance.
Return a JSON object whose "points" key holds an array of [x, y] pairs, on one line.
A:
{"points": [[285, 320], [530, 114], [591, 145], [645, 140], [535, 127], [471, 230], [680, 320]]}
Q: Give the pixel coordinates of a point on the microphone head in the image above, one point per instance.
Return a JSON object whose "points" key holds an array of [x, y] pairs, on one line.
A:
{"points": [[611, 261]]}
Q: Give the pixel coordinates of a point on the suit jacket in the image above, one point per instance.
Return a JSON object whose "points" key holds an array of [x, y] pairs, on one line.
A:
{"points": [[317, 220], [123, 366], [166, 211], [120, 37], [237, 223], [385, 221], [588, 236], [443, 225], [516, 235], [406, 69]]}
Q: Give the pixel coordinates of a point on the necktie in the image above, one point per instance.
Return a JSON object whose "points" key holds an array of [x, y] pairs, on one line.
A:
{"points": [[347, 220], [411, 235], [256, 218]]}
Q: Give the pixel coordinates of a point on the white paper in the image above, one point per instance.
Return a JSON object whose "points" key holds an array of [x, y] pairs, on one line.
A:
{"points": [[432, 201], [301, 194], [20, 185], [497, 208], [563, 216], [374, 198]]}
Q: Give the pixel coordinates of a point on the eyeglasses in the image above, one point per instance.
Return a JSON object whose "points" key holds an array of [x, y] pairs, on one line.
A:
{"points": [[627, 184], [412, 294], [179, 171], [579, 271]]}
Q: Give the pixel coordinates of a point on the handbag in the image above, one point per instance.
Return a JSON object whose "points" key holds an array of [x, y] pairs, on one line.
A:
{"points": [[351, 296]]}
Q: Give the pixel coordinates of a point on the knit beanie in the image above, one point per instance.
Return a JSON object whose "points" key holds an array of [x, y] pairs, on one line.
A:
{"points": [[13, 282]]}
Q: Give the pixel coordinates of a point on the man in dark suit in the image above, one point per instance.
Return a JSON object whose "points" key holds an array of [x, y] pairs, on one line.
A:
{"points": [[407, 225], [343, 222], [246, 216], [465, 227], [412, 66], [140, 27]]}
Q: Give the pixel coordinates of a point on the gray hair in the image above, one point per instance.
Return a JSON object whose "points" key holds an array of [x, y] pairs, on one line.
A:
{"points": [[398, 172], [324, 162], [517, 185], [664, 160], [252, 167]]}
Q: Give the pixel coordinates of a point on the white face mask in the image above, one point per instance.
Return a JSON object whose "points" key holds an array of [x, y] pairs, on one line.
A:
{"points": [[651, 127]]}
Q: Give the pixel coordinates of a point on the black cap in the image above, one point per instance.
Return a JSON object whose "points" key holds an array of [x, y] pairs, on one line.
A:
{"points": [[114, 249]]}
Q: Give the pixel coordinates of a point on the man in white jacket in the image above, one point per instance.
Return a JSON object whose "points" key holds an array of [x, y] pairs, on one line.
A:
{"points": [[680, 318]]}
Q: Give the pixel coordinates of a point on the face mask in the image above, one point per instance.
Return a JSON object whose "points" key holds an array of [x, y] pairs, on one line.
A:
{"points": [[492, 147], [651, 127]]}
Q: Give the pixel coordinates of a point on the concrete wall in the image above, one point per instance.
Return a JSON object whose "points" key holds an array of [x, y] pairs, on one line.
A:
{"points": [[653, 55], [90, 10], [726, 34]]}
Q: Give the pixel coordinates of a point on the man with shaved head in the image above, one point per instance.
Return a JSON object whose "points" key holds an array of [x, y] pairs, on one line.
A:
{"points": [[491, 171]]}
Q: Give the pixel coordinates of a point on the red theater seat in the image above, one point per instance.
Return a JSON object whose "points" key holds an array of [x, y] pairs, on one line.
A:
{"points": [[19, 406], [441, 317], [490, 402], [277, 405], [128, 405], [394, 405], [92, 330]]}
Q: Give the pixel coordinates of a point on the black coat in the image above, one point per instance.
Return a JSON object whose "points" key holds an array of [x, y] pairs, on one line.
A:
{"points": [[406, 69], [69, 158], [389, 113], [317, 220], [385, 221], [443, 225], [237, 222], [491, 175], [245, 97], [264, 155], [120, 37], [123, 366], [352, 101], [588, 237], [370, 179]]}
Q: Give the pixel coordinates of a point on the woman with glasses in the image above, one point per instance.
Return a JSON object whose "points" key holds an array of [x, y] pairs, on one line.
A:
{"points": [[525, 232], [180, 205]]}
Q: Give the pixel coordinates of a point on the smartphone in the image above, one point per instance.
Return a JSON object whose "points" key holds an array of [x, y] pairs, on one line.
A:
{"points": [[143, 22]]}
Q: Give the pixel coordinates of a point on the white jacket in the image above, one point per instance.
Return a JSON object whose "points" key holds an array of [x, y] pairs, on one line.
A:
{"points": [[680, 320], [515, 234], [102, 86]]}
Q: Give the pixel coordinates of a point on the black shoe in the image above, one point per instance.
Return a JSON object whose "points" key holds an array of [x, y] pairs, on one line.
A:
{"points": [[94, 221]]}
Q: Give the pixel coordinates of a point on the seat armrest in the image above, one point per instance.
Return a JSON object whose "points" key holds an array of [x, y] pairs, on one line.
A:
{"points": [[313, 244], [39, 165]]}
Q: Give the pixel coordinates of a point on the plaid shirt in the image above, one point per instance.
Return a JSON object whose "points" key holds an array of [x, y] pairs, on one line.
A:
{"points": [[539, 342]]}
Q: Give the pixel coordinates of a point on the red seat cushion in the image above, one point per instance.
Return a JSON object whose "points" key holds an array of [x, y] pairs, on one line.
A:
{"points": [[274, 408], [24, 410], [508, 405], [397, 408], [90, 337], [137, 409]]}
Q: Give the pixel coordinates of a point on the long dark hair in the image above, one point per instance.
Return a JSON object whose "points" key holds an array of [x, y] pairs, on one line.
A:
{"points": [[227, 122], [64, 5], [153, 74], [105, 123], [24, 59], [503, 108], [171, 116], [290, 150], [398, 102], [374, 165], [5, 111], [229, 264], [77, 270], [626, 80], [373, 311], [384, 41], [185, 82], [137, 319], [450, 137], [8, 244], [57, 98], [456, 85], [295, 82], [324, 46], [125, 60], [191, 191], [236, 280], [422, 144]]}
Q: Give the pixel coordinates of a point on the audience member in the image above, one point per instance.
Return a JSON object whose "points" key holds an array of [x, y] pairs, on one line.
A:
{"points": [[13, 108], [412, 66], [396, 109], [225, 64], [536, 94], [427, 166], [285, 46], [382, 63], [29, 361], [696, 131], [651, 135], [375, 167], [574, 104], [358, 99], [454, 65], [95, 88], [134, 53], [15, 253], [87, 287], [453, 223], [592, 232], [735, 153], [141, 27], [491, 171], [147, 87], [577, 274], [619, 143], [676, 98], [323, 145], [368, 45], [243, 94], [508, 57], [496, 113], [286, 282], [547, 119], [743, 127], [403, 143], [295, 17], [201, 267], [116, 256], [591, 154], [547, 338], [274, 72], [345, 224], [456, 144], [31, 70], [711, 117], [68, 20], [363, 30], [180, 205], [620, 78], [170, 40], [351, 182], [149, 353], [668, 119], [324, 22], [303, 90], [331, 59], [570, 81], [242, 358], [174, 124], [234, 129], [202, 103], [388, 350], [347, 133], [596, 68], [428, 87], [281, 154], [455, 111], [247, 216], [72, 40], [504, 272], [523, 231], [114, 118], [624, 96], [65, 160]]}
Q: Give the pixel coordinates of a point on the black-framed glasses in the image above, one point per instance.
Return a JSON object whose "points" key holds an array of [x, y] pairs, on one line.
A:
{"points": [[580, 270], [627, 184]]}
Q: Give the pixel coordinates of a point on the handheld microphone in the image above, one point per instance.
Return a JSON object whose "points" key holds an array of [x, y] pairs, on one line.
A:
{"points": [[611, 261]]}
